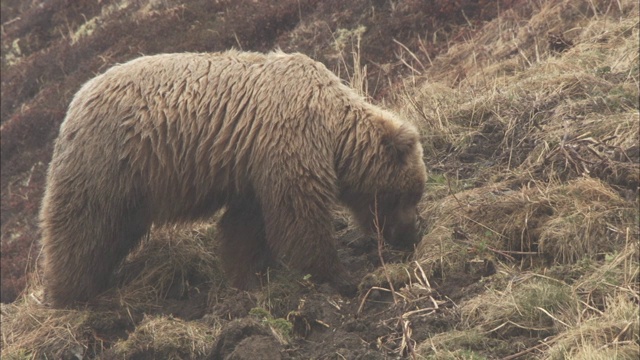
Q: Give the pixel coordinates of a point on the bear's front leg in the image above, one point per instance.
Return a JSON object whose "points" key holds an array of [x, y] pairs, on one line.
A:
{"points": [[299, 232], [243, 249]]}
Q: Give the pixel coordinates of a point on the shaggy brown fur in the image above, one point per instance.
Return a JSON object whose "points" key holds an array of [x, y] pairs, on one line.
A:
{"points": [[276, 138]]}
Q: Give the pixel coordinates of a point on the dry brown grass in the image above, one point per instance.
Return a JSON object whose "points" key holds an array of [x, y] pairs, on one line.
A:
{"points": [[592, 317], [29, 331], [546, 222], [172, 264], [168, 337], [535, 170], [574, 111]]}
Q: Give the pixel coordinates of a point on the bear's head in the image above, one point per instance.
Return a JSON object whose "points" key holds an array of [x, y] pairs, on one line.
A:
{"points": [[382, 181]]}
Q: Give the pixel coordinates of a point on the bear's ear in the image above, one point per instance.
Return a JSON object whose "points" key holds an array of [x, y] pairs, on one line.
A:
{"points": [[400, 140]]}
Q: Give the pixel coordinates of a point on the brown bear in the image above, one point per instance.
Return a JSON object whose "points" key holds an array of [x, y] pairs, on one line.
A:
{"points": [[275, 138]]}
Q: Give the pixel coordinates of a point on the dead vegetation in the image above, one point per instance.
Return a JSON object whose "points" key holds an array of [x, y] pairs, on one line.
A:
{"points": [[531, 242], [535, 187]]}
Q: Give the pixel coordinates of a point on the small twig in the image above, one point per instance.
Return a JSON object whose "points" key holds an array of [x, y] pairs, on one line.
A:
{"points": [[622, 332], [407, 342], [424, 49], [526, 351], [485, 226], [451, 191], [423, 276], [412, 55], [553, 317], [430, 310], [364, 299], [380, 238]]}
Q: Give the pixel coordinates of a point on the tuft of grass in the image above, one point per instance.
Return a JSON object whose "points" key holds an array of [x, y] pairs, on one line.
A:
{"points": [[584, 212], [534, 305], [170, 264], [461, 344], [280, 290], [33, 331], [345, 39], [611, 333], [281, 328], [168, 338]]}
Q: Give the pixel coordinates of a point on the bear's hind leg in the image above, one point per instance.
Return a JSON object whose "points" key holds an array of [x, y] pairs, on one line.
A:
{"points": [[243, 248], [82, 249]]}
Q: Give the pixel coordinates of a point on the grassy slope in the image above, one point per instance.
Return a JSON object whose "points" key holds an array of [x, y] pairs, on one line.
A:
{"points": [[537, 152], [530, 244]]}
